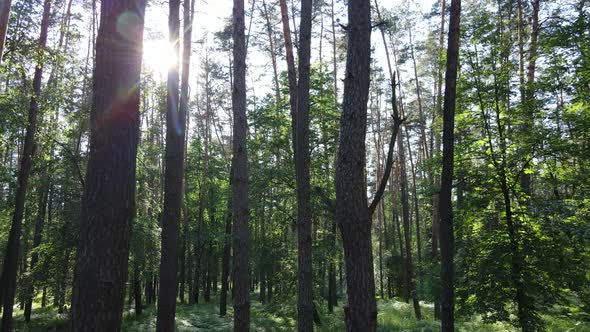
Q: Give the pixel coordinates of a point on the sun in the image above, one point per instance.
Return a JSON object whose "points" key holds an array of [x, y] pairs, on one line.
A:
{"points": [[159, 56]]}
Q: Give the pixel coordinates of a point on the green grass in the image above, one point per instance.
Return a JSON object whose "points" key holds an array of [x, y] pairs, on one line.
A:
{"points": [[280, 316]]}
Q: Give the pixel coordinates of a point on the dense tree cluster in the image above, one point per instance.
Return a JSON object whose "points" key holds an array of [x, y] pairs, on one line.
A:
{"points": [[326, 157]]}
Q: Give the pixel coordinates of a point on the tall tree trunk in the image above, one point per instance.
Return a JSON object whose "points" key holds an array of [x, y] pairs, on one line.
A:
{"points": [[262, 263], [272, 51], [434, 151], [173, 177], [109, 197], [447, 237], [410, 282], [241, 235], [4, 18], [203, 188], [225, 260], [352, 212], [11, 256], [529, 90], [332, 291], [302, 159], [291, 73], [188, 14], [137, 290], [423, 142], [416, 203], [38, 233], [332, 285]]}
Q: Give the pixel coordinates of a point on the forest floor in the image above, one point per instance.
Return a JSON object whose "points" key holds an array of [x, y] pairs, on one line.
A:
{"points": [[280, 316]]}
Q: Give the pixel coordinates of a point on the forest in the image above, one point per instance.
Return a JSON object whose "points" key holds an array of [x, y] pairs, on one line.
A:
{"points": [[295, 165]]}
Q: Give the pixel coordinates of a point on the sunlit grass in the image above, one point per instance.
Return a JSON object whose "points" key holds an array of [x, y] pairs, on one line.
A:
{"points": [[280, 315]]}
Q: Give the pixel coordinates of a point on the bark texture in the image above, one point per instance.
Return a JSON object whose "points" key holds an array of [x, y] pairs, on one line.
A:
{"points": [[241, 234], [173, 176], [4, 18], [305, 286], [447, 237], [352, 212], [109, 196]]}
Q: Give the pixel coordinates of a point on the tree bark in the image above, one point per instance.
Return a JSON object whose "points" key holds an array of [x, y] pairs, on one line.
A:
{"points": [[291, 72], [352, 212], [173, 177], [241, 235], [447, 237], [4, 19], [529, 89], [302, 160], [11, 255], [109, 196]]}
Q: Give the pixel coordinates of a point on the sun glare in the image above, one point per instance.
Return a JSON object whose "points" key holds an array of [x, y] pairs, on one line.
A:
{"points": [[158, 57]]}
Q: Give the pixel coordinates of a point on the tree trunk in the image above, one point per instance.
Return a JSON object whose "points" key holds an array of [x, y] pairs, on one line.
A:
{"points": [[4, 18], [352, 212], [291, 71], [332, 291], [188, 13], [434, 150], [302, 160], [173, 177], [529, 90], [137, 291], [38, 233], [225, 260], [241, 235], [11, 255], [109, 195], [410, 282], [447, 237]]}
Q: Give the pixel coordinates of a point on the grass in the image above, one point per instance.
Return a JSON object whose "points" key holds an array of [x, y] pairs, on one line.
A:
{"points": [[280, 316]]}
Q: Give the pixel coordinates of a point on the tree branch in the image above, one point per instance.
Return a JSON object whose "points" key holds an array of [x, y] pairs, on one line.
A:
{"points": [[397, 122]]}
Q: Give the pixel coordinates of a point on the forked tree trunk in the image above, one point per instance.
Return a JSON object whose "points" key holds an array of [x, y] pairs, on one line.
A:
{"points": [[352, 212], [173, 176], [11, 255], [109, 197]]}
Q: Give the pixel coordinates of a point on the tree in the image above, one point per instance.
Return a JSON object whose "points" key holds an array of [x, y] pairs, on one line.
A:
{"points": [[109, 195], [239, 180], [445, 203], [304, 304], [352, 212], [4, 18], [174, 170], [188, 14], [9, 268]]}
